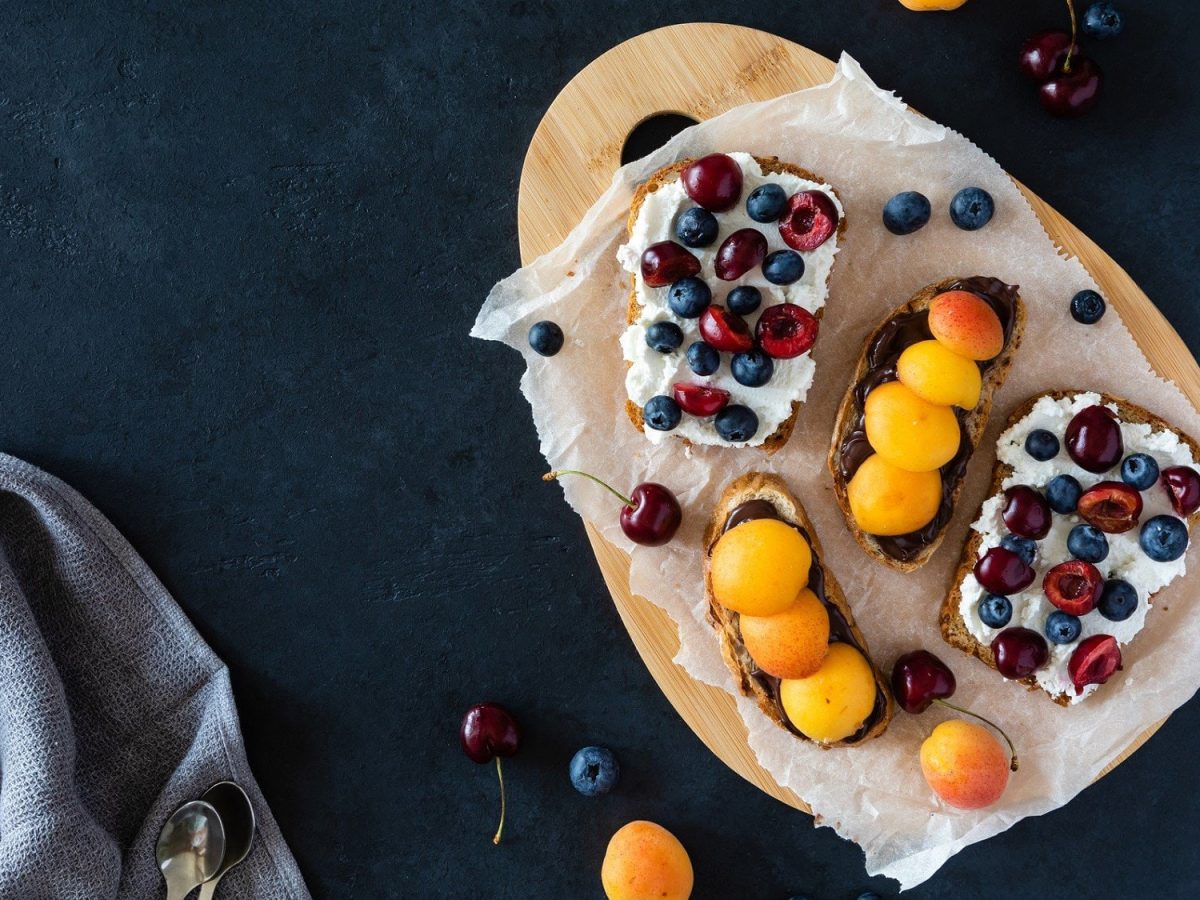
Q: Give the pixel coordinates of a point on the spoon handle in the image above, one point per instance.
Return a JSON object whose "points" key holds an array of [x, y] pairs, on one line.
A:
{"points": [[209, 888]]}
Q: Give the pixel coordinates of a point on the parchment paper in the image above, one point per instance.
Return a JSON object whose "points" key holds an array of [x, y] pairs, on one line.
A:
{"points": [[869, 146]]}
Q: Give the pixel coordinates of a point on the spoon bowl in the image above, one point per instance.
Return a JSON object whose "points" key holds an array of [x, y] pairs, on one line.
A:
{"points": [[190, 847], [237, 815]]}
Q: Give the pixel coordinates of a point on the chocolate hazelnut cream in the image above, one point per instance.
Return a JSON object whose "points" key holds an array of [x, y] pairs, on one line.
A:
{"points": [[894, 337], [839, 628]]}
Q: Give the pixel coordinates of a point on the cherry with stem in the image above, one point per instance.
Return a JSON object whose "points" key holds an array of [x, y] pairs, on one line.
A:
{"points": [[650, 515]]}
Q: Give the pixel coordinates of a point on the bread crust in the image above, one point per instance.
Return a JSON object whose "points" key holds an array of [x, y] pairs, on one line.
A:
{"points": [[763, 486], [975, 422], [954, 629], [665, 175]]}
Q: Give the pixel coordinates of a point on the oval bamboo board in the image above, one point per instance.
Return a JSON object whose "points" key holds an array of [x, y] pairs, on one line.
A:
{"points": [[574, 152]]}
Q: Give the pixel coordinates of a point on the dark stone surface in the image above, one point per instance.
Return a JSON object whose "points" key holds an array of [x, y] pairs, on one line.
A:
{"points": [[240, 249]]}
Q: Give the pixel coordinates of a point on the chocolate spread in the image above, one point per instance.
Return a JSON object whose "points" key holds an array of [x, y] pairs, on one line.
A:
{"points": [[839, 628], [894, 337]]}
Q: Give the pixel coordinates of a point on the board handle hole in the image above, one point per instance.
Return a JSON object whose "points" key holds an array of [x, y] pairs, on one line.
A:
{"points": [[652, 132]]}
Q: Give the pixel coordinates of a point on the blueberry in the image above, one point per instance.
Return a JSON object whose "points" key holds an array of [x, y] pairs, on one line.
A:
{"points": [[783, 267], [703, 358], [736, 423], [1164, 538], [1088, 543], [1117, 601], [869, 895], [1062, 628], [744, 300], [696, 227], [906, 213], [664, 337], [765, 203], [752, 368], [661, 413], [1063, 493], [995, 611], [688, 297], [972, 208], [1087, 307], [1024, 547], [1102, 20], [594, 771], [1041, 444], [545, 338], [1139, 471]]}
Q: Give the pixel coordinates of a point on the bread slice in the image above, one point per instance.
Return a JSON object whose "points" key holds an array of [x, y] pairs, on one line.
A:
{"points": [[762, 486], [954, 629], [974, 422], [666, 175]]}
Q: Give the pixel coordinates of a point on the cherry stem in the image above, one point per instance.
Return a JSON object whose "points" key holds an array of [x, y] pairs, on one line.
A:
{"points": [[1071, 49], [500, 829], [1014, 763], [550, 476]]}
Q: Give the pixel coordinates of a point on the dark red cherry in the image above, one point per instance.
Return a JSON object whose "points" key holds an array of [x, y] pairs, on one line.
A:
{"points": [[1003, 572], [724, 330], [919, 678], [488, 730], [1073, 586], [1071, 94], [742, 251], [700, 399], [666, 262], [786, 330], [1112, 506], [808, 220], [1026, 512], [1019, 652], [650, 515], [1094, 439], [1094, 661], [1043, 54], [1183, 485], [714, 182]]}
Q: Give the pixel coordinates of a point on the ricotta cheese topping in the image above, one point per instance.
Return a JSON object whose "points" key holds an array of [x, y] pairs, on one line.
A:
{"points": [[652, 373]]}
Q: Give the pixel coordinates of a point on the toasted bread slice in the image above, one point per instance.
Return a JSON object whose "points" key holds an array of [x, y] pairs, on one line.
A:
{"points": [[665, 175], [762, 486], [954, 629], [973, 424]]}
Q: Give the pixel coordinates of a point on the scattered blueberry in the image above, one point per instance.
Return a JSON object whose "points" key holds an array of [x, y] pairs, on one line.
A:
{"points": [[703, 358], [1041, 444], [1063, 493], [995, 611], [906, 213], [1088, 543], [765, 203], [1102, 20], [736, 423], [783, 267], [1139, 471], [744, 300], [664, 337], [594, 771], [752, 368], [1062, 628], [1024, 547], [661, 413], [1117, 601], [696, 227], [972, 208], [545, 338], [688, 297], [1164, 538], [869, 895], [1087, 307]]}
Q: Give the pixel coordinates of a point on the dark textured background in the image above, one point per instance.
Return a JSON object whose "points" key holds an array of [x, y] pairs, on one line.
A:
{"points": [[240, 251]]}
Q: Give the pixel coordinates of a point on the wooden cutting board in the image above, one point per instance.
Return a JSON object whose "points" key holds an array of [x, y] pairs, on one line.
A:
{"points": [[701, 70]]}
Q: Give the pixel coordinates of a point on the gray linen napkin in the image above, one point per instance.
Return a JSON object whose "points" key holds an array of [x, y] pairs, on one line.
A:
{"points": [[112, 710]]}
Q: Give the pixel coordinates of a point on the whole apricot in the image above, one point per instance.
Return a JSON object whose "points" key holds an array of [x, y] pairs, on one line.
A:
{"points": [[792, 643], [965, 764], [887, 501], [931, 5], [910, 433], [833, 702], [759, 567], [644, 861], [940, 376], [967, 324]]}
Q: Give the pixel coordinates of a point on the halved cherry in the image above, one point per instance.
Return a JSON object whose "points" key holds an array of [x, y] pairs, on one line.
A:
{"points": [[1183, 486], [1074, 586], [742, 251], [666, 262], [808, 220], [1112, 506], [713, 181], [1003, 572], [1094, 661], [699, 399], [1026, 512], [786, 330], [725, 330]]}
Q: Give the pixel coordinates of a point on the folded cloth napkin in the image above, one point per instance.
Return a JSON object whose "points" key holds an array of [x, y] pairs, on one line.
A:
{"points": [[113, 711]]}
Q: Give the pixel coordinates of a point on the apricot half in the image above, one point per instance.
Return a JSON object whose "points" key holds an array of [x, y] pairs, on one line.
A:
{"points": [[833, 702], [759, 567], [910, 433], [644, 861], [965, 764], [940, 376], [885, 500], [967, 324], [792, 643]]}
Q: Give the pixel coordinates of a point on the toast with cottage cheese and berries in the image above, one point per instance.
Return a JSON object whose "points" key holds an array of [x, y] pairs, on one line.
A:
{"points": [[729, 258]]}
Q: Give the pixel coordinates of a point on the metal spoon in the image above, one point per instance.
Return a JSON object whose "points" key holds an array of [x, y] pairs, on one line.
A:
{"points": [[237, 815], [190, 847]]}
